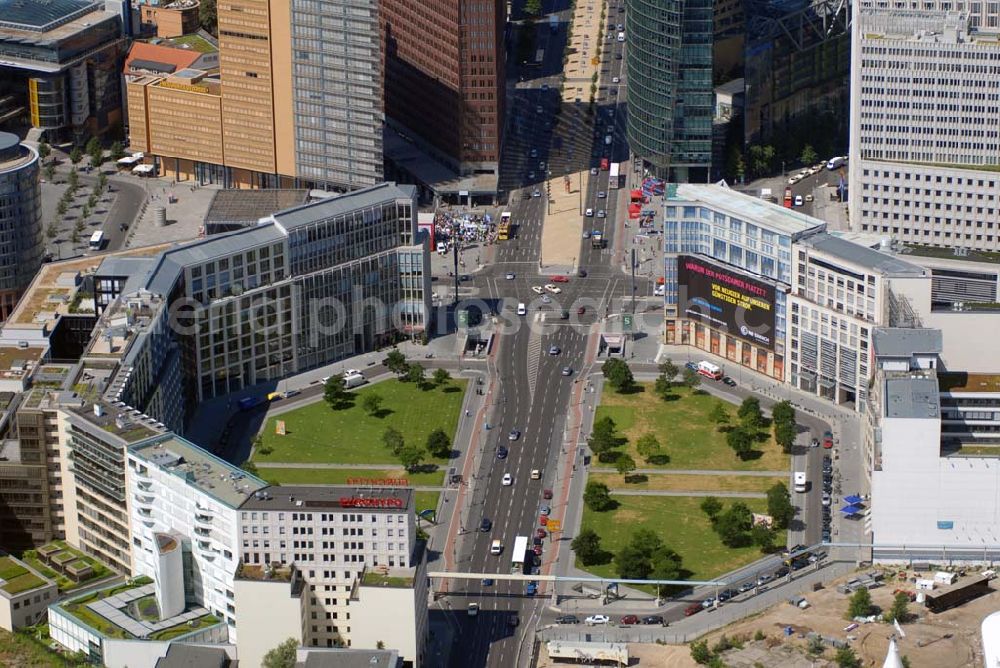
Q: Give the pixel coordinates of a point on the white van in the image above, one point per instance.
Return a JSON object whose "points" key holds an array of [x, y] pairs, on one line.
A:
{"points": [[496, 547], [442, 247], [621, 37], [836, 163], [522, 309], [608, 139], [800, 481]]}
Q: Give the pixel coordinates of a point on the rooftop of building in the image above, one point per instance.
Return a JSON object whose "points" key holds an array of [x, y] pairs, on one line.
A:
{"points": [[867, 258], [912, 396], [14, 154], [16, 577], [159, 58], [314, 497], [904, 341], [376, 578], [108, 613], [409, 157], [345, 657], [246, 207], [958, 382], [960, 254], [262, 573], [181, 655], [86, 402], [342, 204], [733, 87], [66, 566], [17, 362], [200, 469], [53, 288], [43, 15], [746, 207], [194, 41]]}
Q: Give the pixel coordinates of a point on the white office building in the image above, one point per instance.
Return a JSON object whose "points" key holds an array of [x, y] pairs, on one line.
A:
{"points": [[925, 131], [184, 505]]}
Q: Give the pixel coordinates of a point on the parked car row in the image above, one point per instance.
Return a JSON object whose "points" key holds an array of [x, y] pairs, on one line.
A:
{"points": [[625, 620]]}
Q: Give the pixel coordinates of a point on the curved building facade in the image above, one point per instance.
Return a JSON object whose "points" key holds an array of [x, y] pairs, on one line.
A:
{"points": [[669, 61], [21, 243]]}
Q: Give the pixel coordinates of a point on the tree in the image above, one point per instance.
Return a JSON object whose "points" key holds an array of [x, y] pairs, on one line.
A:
{"points": [[734, 524], [783, 411], [665, 565], [749, 413], [208, 16], [648, 447], [587, 546], [334, 392], [618, 374], [808, 156], [711, 506], [719, 415], [761, 159], [632, 563], [860, 605], [76, 155], [668, 369], [95, 151], [92, 201], [662, 386], [597, 496], [371, 403], [762, 537], [51, 232], [393, 439], [438, 444], [624, 464], [395, 362], [85, 211], [44, 150], [282, 656], [62, 207], [102, 182], [646, 541], [740, 441], [117, 151], [899, 611], [441, 376], [784, 435], [846, 658], [691, 378], [700, 652], [249, 467], [50, 172], [779, 506], [414, 374], [602, 439], [73, 179], [410, 457]]}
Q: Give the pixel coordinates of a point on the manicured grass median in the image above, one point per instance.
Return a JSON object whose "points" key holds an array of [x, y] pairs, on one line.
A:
{"points": [[313, 476], [426, 500], [316, 433], [689, 483], [679, 521], [682, 425]]}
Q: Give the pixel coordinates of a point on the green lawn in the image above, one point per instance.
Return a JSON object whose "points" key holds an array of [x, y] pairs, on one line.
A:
{"points": [[21, 649], [426, 500], [683, 527], [17, 577], [682, 426], [316, 433], [309, 476], [64, 583]]}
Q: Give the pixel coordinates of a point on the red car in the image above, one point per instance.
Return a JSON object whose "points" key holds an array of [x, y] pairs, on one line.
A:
{"points": [[581, 310], [630, 619], [547, 494], [543, 520], [560, 279], [827, 440], [692, 609]]}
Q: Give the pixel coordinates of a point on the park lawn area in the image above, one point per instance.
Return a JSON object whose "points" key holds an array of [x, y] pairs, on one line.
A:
{"points": [[19, 649], [317, 433], [688, 437], [690, 483], [314, 476], [426, 500], [683, 527]]}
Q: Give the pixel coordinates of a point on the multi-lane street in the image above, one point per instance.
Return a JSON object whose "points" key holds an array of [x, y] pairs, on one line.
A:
{"points": [[538, 363]]}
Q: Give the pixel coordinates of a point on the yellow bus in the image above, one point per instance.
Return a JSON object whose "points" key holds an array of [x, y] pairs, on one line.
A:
{"points": [[504, 231]]}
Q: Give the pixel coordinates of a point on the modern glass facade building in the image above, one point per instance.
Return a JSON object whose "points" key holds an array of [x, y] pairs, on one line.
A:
{"points": [[20, 220], [749, 240], [670, 100]]}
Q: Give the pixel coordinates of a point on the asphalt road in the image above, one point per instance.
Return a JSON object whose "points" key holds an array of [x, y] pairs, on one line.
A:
{"points": [[533, 395]]}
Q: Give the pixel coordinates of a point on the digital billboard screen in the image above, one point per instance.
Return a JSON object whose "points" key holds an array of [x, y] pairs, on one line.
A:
{"points": [[726, 300]]}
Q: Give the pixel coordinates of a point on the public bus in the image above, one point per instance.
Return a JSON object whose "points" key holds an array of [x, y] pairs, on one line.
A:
{"points": [[613, 175], [97, 240], [505, 230], [518, 555]]}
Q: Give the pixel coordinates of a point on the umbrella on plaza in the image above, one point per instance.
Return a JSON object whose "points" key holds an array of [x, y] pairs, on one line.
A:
{"points": [[853, 499], [851, 510]]}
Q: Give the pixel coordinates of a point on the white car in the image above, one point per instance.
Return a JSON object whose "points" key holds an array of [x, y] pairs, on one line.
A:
{"points": [[615, 80], [536, 474], [593, 620], [553, 288], [798, 200], [510, 276], [589, 213], [508, 480], [473, 609], [793, 180], [659, 290], [537, 289]]}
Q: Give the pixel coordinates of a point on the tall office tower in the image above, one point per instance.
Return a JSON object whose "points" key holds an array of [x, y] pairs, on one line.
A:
{"points": [[925, 139], [444, 78], [670, 102], [295, 102], [20, 220]]}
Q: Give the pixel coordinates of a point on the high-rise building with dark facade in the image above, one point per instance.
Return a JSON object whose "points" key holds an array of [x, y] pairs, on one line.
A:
{"points": [[670, 101], [444, 78], [20, 220]]}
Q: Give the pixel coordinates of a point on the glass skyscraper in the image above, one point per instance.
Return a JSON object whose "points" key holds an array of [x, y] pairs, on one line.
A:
{"points": [[669, 61]]}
